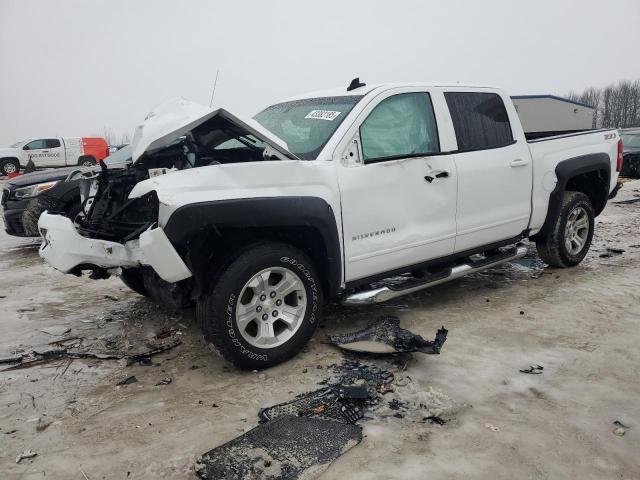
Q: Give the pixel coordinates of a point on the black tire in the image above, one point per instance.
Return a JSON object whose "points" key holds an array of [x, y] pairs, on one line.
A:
{"points": [[217, 309], [552, 248], [133, 278], [86, 161], [9, 165]]}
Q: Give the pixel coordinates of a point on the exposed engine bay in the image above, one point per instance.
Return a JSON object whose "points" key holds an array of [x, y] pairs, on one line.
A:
{"points": [[107, 212]]}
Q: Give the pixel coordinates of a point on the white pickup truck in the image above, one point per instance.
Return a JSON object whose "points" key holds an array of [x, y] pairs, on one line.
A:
{"points": [[261, 221], [53, 152]]}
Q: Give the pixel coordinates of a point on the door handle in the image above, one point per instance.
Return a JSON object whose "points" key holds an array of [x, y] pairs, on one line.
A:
{"points": [[436, 174], [519, 162], [45, 151]]}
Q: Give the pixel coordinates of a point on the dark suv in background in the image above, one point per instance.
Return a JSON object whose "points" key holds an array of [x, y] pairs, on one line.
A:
{"points": [[631, 153], [25, 197]]}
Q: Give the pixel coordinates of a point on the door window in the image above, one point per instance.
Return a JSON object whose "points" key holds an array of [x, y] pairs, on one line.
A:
{"points": [[480, 120], [52, 143], [36, 145], [400, 126]]}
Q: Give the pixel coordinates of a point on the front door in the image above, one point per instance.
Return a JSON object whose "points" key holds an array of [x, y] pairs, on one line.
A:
{"points": [[399, 196], [41, 154]]}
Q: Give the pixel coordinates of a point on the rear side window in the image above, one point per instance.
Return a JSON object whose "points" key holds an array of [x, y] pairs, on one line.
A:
{"points": [[53, 143], [400, 126], [480, 120]]}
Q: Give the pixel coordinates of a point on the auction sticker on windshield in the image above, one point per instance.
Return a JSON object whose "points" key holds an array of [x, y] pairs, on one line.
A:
{"points": [[322, 114]]}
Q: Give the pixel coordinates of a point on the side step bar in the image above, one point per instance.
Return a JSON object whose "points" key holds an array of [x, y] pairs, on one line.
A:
{"points": [[382, 294]]}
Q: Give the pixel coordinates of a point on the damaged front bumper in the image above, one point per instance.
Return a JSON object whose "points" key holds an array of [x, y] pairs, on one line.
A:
{"points": [[66, 250]]}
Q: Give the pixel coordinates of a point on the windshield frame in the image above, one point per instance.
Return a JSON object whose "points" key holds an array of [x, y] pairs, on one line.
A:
{"points": [[115, 157], [314, 103]]}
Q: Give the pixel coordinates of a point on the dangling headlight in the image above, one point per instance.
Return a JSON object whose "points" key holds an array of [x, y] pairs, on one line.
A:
{"points": [[33, 190]]}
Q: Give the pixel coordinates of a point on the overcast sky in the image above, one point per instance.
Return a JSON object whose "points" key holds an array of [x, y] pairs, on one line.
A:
{"points": [[73, 67]]}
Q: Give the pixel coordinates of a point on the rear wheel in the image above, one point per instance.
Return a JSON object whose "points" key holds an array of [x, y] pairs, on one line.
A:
{"points": [[264, 307], [569, 240], [9, 166]]}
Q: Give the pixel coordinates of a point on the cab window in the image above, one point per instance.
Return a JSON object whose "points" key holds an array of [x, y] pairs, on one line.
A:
{"points": [[400, 126], [35, 145], [52, 143]]}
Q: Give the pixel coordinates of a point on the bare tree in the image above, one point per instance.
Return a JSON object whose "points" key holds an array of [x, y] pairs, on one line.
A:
{"points": [[616, 105]]}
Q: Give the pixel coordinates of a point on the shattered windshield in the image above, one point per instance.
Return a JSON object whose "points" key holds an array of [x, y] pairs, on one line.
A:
{"points": [[306, 125]]}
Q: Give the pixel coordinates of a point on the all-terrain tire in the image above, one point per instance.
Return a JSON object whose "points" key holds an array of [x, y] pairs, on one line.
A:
{"points": [[133, 278], [9, 166], [553, 249], [217, 310]]}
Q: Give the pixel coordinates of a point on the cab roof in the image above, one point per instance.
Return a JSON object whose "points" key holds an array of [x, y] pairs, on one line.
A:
{"points": [[343, 92]]}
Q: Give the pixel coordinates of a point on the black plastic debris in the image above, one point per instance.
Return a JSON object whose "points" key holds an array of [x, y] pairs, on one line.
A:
{"points": [[385, 336], [325, 403], [435, 420], [533, 370], [287, 448], [128, 381], [611, 252]]}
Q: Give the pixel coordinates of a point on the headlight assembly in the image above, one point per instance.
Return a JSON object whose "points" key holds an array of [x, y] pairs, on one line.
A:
{"points": [[33, 190]]}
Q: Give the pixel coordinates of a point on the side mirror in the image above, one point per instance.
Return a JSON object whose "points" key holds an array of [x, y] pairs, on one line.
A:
{"points": [[352, 156], [26, 147]]}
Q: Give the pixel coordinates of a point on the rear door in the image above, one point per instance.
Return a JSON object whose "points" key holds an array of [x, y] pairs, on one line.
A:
{"points": [[55, 152], [398, 192], [494, 169]]}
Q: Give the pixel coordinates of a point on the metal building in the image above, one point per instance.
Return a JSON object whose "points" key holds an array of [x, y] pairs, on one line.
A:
{"points": [[551, 114]]}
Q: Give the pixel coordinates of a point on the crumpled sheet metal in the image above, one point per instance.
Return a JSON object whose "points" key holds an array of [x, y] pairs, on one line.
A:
{"points": [[385, 336], [286, 448]]}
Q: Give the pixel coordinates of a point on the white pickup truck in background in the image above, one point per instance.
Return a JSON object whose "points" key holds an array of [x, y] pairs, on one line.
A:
{"points": [[325, 196], [53, 152]]}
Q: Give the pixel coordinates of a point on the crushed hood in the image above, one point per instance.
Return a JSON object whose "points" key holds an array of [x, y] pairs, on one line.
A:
{"points": [[174, 118]]}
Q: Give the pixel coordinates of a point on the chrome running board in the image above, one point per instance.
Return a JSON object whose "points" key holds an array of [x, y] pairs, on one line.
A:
{"points": [[382, 294]]}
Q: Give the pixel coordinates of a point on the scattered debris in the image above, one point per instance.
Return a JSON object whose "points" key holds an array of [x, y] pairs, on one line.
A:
{"points": [[154, 349], [492, 427], [112, 297], [128, 381], [10, 432], [533, 370], [627, 202], [288, 447], [386, 336], [43, 424], [26, 309], [25, 454], [164, 381], [56, 330], [435, 420], [14, 359], [620, 429], [611, 252], [142, 358]]}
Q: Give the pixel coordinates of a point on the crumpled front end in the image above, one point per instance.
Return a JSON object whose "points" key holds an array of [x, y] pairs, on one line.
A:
{"points": [[66, 250]]}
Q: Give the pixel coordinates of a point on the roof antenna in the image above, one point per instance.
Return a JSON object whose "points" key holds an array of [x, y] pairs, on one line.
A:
{"points": [[214, 88], [355, 83]]}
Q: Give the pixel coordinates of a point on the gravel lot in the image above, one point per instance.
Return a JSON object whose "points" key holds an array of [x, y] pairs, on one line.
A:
{"points": [[580, 324]]}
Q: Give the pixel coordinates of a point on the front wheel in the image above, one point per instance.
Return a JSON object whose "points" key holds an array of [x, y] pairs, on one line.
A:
{"points": [[10, 166], [264, 307], [568, 242]]}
